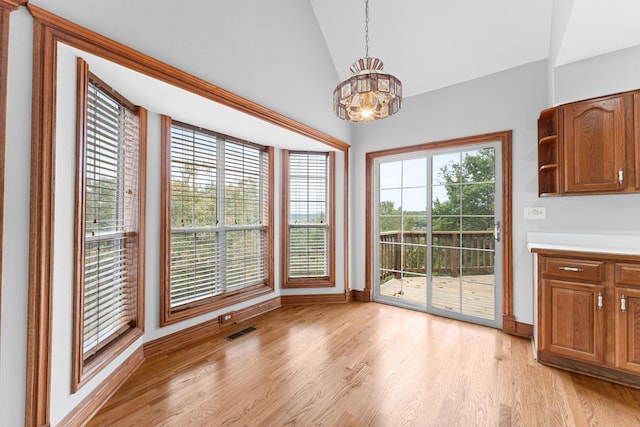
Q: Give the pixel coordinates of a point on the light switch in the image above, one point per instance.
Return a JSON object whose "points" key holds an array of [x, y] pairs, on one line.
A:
{"points": [[535, 212]]}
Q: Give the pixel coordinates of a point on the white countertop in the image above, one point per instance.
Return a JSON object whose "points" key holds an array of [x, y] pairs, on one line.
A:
{"points": [[624, 244]]}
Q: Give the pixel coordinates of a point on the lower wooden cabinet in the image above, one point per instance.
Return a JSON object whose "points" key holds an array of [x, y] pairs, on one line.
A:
{"points": [[628, 330], [575, 326], [589, 314]]}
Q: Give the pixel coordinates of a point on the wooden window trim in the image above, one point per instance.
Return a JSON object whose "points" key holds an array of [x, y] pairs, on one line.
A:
{"points": [[167, 315], [48, 31], [308, 282], [83, 370], [504, 138]]}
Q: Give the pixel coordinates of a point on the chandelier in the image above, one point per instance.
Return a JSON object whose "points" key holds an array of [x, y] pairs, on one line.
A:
{"points": [[369, 94]]}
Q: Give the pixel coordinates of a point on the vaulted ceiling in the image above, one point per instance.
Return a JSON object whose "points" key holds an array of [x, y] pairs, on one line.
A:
{"points": [[433, 44]]}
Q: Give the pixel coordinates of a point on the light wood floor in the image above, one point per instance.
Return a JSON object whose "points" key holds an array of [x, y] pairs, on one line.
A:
{"points": [[363, 364]]}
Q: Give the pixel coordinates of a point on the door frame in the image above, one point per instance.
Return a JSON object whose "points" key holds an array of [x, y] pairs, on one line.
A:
{"points": [[504, 138]]}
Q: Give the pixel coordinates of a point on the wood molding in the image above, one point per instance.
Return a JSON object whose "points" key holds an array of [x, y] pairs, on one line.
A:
{"points": [[9, 6], [524, 330], [83, 370], [368, 225], [41, 228], [90, 41], [5, 12], [346, 222], [314, 299], [205, 329], [509, 324], [636, 137], [507, 223], [364, 295], [328, 281], [91, 404], [505, 139], [601, 372]]}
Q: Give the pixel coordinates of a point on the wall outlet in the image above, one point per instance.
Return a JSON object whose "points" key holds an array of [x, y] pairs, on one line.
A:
{"points": [[535, 212], [227, 318]]}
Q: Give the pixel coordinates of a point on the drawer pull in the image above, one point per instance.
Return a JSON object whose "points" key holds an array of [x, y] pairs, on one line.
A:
{"points": [[570, 269], [623, 303], [599, 300]]}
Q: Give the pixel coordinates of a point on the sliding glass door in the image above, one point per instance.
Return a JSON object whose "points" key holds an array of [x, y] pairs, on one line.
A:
{"points": [[438, 221]]}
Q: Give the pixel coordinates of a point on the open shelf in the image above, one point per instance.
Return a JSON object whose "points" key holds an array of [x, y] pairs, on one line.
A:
{"points": [[548, 175]]}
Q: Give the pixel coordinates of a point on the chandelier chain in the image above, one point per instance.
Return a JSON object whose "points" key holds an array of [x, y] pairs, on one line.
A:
{"points": [[366, 28]]}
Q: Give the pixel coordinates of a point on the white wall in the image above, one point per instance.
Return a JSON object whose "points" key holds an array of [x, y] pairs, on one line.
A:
{"points": [[271, 52], [559, 21], [15, 254], [509, 100], [603, 75]]}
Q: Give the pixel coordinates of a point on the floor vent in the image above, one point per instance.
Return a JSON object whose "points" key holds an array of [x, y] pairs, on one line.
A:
{"points": [[240, 333]]}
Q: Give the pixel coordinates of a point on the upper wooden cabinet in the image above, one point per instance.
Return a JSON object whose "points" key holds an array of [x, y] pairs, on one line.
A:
{"points": [[590, 147]]}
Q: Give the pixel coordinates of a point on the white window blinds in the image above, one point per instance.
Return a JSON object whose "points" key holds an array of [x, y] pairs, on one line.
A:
{"points": [[111, 219], [308, 215], [218, 211]]}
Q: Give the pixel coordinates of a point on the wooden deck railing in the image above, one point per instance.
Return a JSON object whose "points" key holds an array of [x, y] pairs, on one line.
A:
{"points": [[453, 252]]}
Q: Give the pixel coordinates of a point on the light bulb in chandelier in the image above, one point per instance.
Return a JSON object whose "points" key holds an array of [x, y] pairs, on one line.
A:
{"points": [[369, 94]]}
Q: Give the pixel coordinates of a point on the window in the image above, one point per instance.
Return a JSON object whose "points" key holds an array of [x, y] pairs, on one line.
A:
{"points": [[308, 217], [109, 264], [216, 224]]}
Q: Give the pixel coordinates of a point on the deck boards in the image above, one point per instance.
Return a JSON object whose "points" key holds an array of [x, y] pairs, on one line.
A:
{"points": [[475, 293]]}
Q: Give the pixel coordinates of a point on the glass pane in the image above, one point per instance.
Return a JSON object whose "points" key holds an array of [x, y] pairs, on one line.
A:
{"points": [[478, 299], [445, 293], [445, 261], [478, 166], [308, 251], [409, 287], [414, 259], [390, 175], [414, 173], [478, 199], [414, 200], [389, 258], [390, 201], [417, 224], [477, 239], [446, 199], [477, 262], [478, 283], [446, 168]]}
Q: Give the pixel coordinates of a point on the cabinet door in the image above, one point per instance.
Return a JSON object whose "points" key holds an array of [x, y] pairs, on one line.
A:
{"points": [[595, 138], [571, 321], [628, 329]]}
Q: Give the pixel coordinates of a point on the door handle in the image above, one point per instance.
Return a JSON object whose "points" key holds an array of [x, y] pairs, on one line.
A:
{"points": [[599, 300], [497, 231], [620, 176]]}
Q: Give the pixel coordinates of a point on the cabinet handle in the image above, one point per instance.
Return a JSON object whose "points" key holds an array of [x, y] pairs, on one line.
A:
{"points": [[570, 269], [620, 176], [599, 300], [623, 303]]}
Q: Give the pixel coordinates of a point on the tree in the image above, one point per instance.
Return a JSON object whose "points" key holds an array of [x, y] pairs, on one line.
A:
{"points": [[470, 191]]}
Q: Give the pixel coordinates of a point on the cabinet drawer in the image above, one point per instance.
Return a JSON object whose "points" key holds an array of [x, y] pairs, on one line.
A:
{"points": [[573, 269], [628, 274]]}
